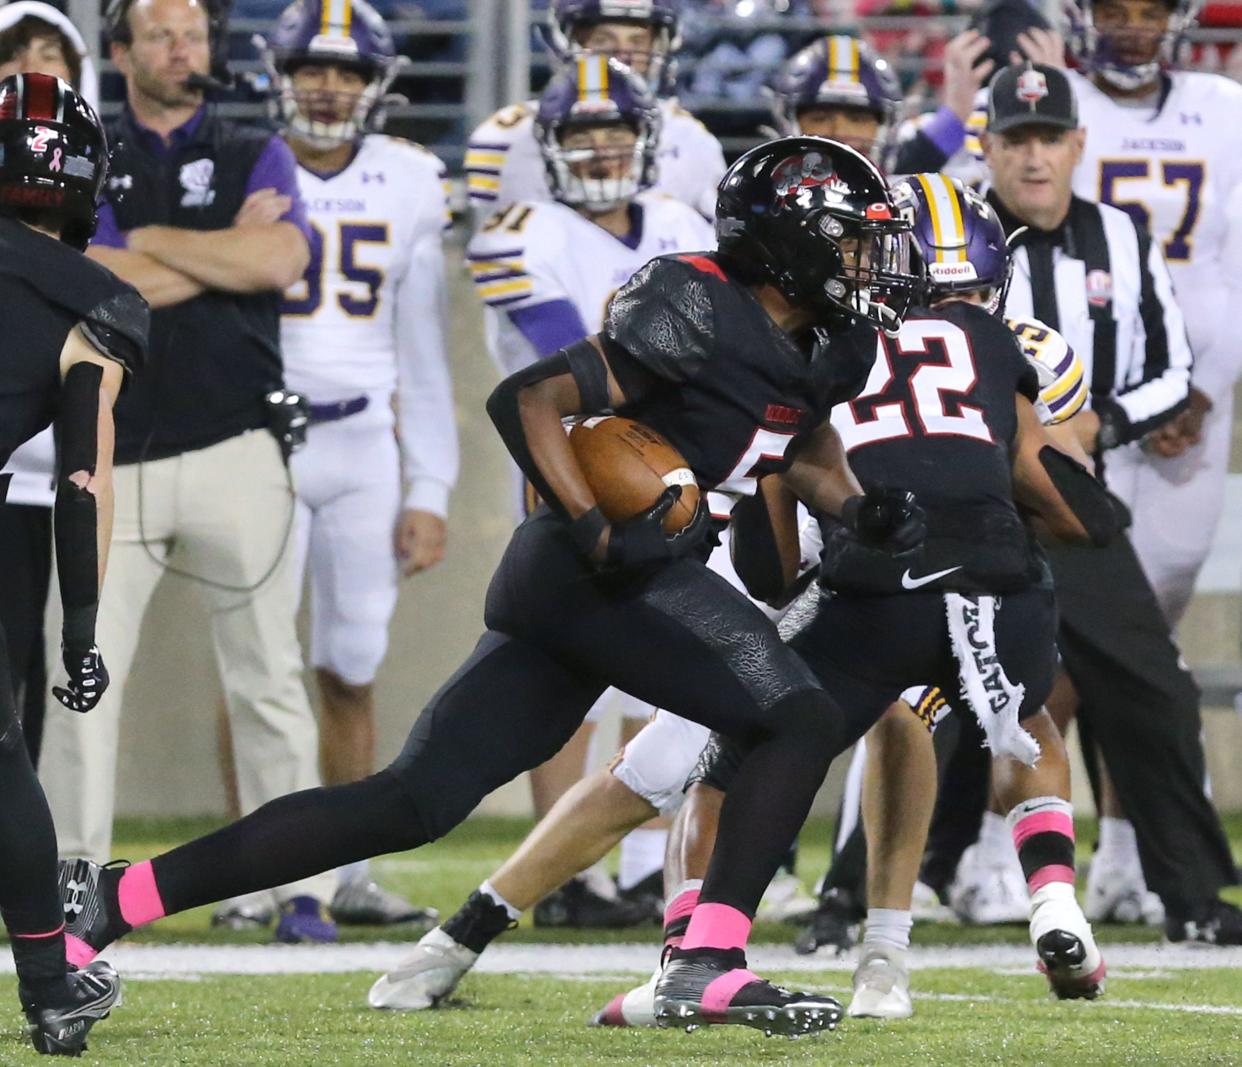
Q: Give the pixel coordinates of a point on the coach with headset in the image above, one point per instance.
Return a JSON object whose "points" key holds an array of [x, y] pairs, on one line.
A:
{"points": [[203, 216]]}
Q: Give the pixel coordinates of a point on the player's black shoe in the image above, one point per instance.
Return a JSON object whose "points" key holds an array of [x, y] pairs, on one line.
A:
{"points": [[88, 896], [59, 1027], [577, 905], [1216, 922], [648, 894], [834, 924], [712, 986]]}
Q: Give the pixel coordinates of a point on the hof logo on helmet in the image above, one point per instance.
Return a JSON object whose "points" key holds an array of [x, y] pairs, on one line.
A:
{"points": [[1032, 86], [796, 175]]}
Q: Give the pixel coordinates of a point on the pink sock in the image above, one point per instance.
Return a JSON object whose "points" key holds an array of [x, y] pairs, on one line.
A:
{"points": [[138, 895], [717, 926], [1043, 834], [677, 914]]}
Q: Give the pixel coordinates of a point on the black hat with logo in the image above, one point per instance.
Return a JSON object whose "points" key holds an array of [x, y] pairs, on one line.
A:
{"points": [[1031, 94]]}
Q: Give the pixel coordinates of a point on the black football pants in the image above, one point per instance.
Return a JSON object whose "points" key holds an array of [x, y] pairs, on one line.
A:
{"points": [[677, 636], [25, 574]]}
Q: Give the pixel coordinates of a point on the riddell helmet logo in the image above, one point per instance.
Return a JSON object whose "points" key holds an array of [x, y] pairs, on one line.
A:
{"points": [[1032, 86], [796, 173]]}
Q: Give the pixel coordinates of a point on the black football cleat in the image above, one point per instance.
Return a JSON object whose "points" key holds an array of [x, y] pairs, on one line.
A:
{"points": [[834, 924], [706, 987], [89, 927], [1216, 922], [576, 905], [60, 1028]]}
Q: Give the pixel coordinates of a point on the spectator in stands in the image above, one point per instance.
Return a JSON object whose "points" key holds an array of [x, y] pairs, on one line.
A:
{"points": [[735, 59]]}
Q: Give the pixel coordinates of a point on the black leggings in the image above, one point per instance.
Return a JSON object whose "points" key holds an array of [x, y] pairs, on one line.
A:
{"points": [[677, 636], [25, 575]]}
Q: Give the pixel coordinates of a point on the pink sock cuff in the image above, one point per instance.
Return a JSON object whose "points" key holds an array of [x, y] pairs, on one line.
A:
{"points": [[78, 952], [1054, 872], [39, 937], [1042, 822], [717, 926], [721, 991], [681, 905], [138, 895]]}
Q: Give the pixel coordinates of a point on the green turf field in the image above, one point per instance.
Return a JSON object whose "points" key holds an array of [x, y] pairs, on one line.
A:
{"points": [[965, 1014]]}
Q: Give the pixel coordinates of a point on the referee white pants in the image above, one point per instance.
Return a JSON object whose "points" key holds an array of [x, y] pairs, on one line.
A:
{"points": [[1176, 505], [222, 513]]}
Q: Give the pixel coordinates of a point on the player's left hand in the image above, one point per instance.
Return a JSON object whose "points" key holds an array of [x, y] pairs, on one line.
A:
{"points": [[419, 540], [888, 519], [87, 681], [1040, 46]]}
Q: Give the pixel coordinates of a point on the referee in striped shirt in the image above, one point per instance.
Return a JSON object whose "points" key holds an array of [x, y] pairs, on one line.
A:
{"points": [[1089, 271]]}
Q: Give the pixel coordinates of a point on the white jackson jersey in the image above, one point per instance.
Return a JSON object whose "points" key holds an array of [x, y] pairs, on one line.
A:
{"points": [[504, 165], [1175, 165], [547, 273], [368, 316]]}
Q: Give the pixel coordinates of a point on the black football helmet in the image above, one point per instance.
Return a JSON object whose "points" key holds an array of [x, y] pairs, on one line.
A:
{"points": [[815, 218], [53, 155]]}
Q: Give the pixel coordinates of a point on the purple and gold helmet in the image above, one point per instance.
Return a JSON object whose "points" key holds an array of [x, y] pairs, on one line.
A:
{"points": [[958, 237], [596, 91], [837, 71], [347, 33], [567, 17], [1105, 53]]}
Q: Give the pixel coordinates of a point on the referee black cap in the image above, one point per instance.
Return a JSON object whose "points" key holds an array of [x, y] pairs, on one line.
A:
{"points": [[1031, 94]]}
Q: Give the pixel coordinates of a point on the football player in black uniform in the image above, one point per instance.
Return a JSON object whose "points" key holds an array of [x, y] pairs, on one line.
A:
{"points": [[737, 358], [71, 331], [949, 410]]}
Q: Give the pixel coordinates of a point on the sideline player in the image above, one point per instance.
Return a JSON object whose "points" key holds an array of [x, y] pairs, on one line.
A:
{"points": [[1165, 146], [503, 160], [73, 330], [366, 323], [545, 271], [718, 352]]}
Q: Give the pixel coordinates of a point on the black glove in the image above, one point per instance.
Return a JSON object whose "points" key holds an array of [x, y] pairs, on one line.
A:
{"points": [[88, 678], [642, 539], [888, 519]]}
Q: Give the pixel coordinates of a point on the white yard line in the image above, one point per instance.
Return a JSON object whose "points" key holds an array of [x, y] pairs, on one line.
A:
{"points": [[589, 961]]}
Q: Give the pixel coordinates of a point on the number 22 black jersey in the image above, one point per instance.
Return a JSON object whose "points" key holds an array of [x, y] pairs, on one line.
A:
{"points": [[706, 367], [46, 289], [937, 416]]}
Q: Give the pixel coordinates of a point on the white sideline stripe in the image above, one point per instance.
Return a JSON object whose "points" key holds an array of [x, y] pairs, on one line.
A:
{"points": [[594, 961]]}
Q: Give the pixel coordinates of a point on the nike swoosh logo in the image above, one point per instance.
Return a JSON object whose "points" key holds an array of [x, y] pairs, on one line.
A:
{"points": [[909, 582]]}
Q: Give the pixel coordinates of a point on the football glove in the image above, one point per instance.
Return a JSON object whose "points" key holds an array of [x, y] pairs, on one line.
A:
{"points": [[888, 519], [642, 540], [88, 678]]}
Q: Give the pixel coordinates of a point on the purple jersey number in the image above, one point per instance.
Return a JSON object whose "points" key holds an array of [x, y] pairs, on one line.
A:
{"points": [[1173, 173], [306, 296]]}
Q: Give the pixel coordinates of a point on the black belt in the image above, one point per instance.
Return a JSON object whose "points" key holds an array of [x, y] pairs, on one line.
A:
{"points": [[342, 409]]}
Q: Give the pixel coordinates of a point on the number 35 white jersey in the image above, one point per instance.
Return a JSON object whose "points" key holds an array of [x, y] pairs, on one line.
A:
{"points": [[368, 316], [547, 273], [1177, 169]]}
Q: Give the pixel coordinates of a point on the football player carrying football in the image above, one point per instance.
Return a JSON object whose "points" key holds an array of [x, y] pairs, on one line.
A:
{"points": [[504, 162], [736, 358]]}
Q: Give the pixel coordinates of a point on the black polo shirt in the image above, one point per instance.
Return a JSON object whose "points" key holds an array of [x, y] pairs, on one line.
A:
{"points": [[214, 357]]}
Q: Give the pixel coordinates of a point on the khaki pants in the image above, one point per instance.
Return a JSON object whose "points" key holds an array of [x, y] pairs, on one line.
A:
{"points": [[219, 513]]}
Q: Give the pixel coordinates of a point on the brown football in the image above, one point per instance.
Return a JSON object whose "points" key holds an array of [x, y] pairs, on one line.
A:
{"points": [[629, 465]]}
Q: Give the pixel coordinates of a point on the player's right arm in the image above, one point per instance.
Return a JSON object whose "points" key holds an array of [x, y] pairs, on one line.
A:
{"points": [[160, 285]]}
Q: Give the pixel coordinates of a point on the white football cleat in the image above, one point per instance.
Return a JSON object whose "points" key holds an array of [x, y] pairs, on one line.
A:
{"points": [[1064, 944], [881, 985], [425, 977], [635, 1008], [785, 900], [1117, 893], [988, 893]]}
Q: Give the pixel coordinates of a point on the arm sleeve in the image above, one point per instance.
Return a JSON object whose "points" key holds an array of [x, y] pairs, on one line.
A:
{"points": [[426, 416], [1162, 382], [277, 168], [1218, 365]]}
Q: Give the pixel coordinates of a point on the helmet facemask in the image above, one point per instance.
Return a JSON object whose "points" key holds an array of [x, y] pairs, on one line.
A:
{"points": [[1105, 51], [296, 108], [873, 279], [658, 68], [578, 173]]}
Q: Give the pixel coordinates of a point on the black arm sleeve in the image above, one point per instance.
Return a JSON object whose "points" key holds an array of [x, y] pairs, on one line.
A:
{"points": [[74, 515], [752, 545], [1101, 515]]}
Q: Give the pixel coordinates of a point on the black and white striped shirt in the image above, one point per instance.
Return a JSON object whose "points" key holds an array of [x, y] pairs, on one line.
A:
{"points": [[1102, 282]]}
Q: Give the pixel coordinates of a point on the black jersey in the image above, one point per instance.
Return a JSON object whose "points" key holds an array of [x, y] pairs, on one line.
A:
{"points": [[46, 289], [938, 417], [728, 388]]}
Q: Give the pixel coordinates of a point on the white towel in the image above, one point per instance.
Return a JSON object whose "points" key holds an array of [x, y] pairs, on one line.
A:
{"points": [[993, 698]]}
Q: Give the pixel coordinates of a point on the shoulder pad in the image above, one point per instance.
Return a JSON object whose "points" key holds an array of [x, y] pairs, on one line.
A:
{"points": [[664, 316], [117, 326], [1062, 379]]}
